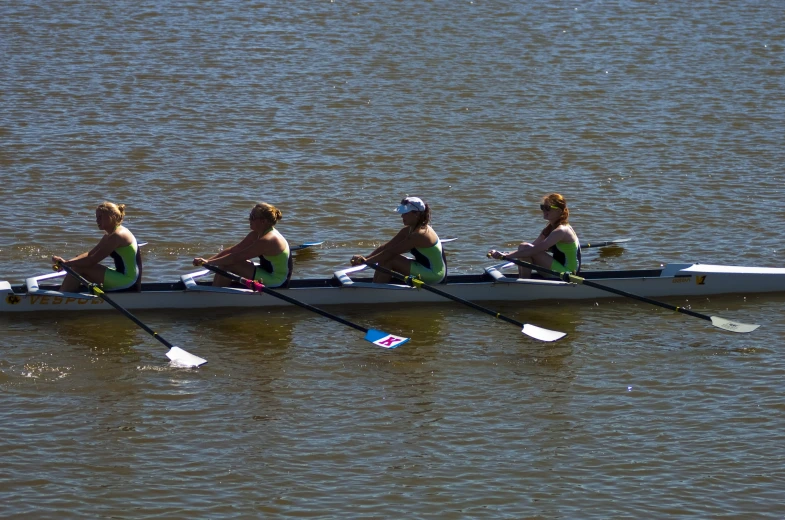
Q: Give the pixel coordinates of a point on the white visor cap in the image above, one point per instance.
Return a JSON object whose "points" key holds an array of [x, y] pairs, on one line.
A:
{"points": [[410, 204]]}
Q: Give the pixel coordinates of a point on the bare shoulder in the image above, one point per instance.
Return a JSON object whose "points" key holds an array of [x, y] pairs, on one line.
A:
{"points": [[276, 240], [271, 243], [118, 238], [425, 237], [565, 233], [122, 236], [569, 233]]}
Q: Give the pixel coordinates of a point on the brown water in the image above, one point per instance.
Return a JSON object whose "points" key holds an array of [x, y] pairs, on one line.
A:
{"points": [[660, 121]]}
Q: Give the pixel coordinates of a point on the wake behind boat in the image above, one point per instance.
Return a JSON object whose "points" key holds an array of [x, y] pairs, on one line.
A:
{"points": [[352, 287]]}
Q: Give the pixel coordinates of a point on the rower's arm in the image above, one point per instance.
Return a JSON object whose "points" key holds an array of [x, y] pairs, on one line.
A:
{"points": [[246, 242], [539, 245], [399, 244], [104, 248], [266, 245]]}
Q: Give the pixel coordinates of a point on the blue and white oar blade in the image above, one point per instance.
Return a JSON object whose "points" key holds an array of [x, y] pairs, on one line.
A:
{"points": [[541, 334], [182, 358], [384, 340], [306, 245]]}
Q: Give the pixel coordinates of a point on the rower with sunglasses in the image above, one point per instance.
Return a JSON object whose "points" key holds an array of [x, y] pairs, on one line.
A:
{"points": [[557, 238], [416, 237], [264, 241]]}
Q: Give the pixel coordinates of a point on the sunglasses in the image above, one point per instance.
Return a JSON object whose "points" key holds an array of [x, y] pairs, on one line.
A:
{"points": [[404, 202], [545, 207]]}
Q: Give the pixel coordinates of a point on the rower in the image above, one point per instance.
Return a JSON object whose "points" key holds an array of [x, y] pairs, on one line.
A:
{"points": [[117, 242], [416, 237], [263, 241], [557, 238]]}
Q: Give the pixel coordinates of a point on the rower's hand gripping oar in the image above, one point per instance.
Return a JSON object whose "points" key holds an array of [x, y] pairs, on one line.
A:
{"points": [[722, 323], [176, 354], [377, 337], [530, 330]]}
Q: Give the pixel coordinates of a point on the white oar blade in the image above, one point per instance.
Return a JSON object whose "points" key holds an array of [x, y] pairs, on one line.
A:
{"points": [[541, 334], [384, 340], [733, 326], [182, 358]]}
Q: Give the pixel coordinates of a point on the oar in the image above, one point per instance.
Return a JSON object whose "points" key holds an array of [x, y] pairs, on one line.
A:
{"points": [[530, 330], [377, 337], [587, 245], [606, 243], [306, 246], [722, 323], [176, 354]]}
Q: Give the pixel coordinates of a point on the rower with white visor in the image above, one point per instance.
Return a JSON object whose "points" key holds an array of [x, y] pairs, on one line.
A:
{"points": [[418, 238]]}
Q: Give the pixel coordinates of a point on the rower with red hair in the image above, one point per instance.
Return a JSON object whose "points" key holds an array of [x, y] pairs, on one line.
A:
{"points": [[557, 248]]}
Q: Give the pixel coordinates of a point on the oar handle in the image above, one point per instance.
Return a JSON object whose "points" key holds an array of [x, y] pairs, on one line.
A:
{"points": [[566, 277]]}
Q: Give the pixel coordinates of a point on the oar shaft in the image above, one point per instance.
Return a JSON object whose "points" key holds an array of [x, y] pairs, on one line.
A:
{"points": [[413, 282], [636, 297], [568, 277], [262, 288], [587, 245], [93, 287]]}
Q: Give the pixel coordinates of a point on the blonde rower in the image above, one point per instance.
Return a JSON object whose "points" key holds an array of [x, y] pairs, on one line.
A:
{"points": [[265, 242], [117, 242], [557, 237], [416, 237]]}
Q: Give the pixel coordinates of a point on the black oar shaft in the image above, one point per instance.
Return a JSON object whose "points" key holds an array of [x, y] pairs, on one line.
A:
{"points": [[664, 305], [414, 282], [95, 289], [239, 279], [568, 277]]}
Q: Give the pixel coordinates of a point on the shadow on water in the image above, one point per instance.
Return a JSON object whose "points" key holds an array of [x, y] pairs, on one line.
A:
{"points": [[304, 255]]}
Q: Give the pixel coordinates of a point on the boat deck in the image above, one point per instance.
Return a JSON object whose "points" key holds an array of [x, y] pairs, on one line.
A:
{"points": [[311, 283]]}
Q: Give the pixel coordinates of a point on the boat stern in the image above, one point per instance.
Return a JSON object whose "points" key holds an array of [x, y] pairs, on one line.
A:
{"points": [[7, 295]]}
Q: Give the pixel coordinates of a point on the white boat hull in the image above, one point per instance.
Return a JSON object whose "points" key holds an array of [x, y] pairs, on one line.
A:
{"points": [[675, 280]]}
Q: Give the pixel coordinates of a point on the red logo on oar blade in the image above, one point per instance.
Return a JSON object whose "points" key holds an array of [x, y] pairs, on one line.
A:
{"points": [[392, 340]]}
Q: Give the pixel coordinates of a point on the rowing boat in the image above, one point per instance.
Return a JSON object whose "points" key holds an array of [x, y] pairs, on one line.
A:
{"points": [[352, 287]]}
